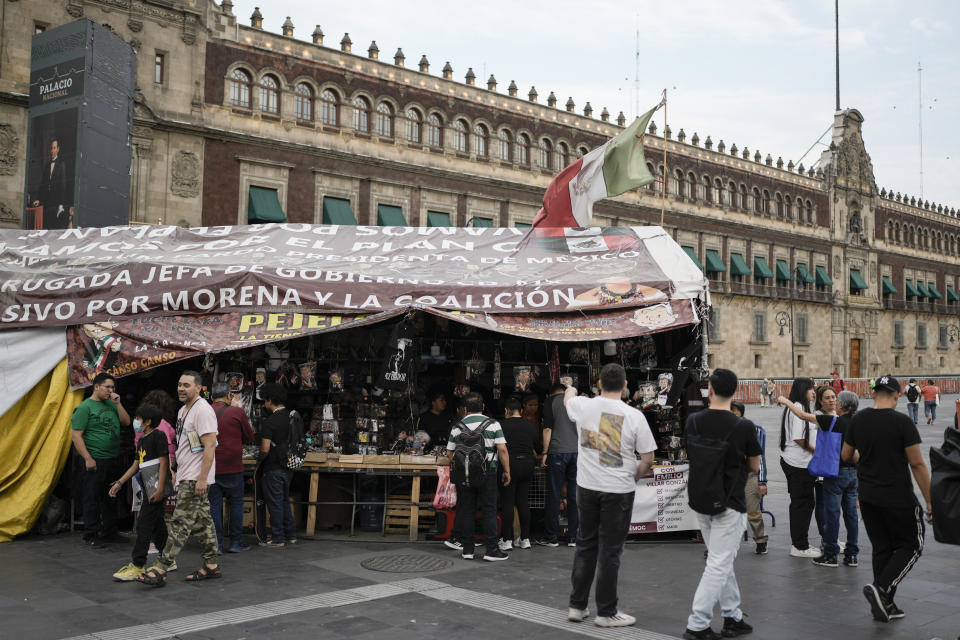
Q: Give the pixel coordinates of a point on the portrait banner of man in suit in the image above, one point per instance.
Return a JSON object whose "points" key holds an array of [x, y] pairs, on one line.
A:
{"points": [[52, 167]]}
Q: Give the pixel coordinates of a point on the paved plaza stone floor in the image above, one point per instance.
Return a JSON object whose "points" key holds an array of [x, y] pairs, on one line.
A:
{"points": [[52, 587]]}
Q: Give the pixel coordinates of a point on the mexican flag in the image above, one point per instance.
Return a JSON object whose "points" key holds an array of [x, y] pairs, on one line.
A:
{"points": [[615, 167]]}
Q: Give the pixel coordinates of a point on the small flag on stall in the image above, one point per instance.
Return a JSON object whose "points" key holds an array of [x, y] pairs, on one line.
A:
{"points": [[614, 167]]}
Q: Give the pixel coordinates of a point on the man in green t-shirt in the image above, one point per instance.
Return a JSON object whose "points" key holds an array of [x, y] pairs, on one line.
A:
{"points": [[96, 437]]}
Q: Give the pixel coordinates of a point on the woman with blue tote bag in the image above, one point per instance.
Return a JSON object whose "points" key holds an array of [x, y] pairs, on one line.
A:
{"points": [[839, 491]]}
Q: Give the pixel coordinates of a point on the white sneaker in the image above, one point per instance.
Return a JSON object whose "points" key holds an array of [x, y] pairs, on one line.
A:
{"points": [[453, 544], [577, 615], [505, 545], [619, 619], [809, 552], [522, 543]]}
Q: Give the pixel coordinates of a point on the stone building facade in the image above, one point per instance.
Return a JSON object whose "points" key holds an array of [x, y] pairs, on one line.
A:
{"points": [[841, 268]]}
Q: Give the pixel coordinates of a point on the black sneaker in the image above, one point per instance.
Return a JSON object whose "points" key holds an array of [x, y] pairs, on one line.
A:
{"points": [[495, 556], [467, 553], [450, 543], [824, 560], [894, 612], [733, 628], [761, 548], [850, 560], [878, 603], [703, 634], [548, 542]]}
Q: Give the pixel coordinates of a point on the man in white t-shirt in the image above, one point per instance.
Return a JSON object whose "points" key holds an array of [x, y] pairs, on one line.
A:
{"points": [[196, 446], [610, 434]]}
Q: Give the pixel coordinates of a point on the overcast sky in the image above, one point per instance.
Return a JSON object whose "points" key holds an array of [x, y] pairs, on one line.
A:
{"points": [[758, 73]]}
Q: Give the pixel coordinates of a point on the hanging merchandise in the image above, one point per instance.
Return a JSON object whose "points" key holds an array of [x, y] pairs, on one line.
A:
{"points": [[395, 375], [595, 350], [308, 376], [555, 365], [522, 377], [259, 380], [497, 373], [235, 380], [335, 380], [475, 366]]}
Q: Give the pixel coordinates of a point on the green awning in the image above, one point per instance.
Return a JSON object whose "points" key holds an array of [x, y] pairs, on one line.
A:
{"points": [[714, 262], [761, 268], [952, 295], [438, 219], [888, 287], [922, 290], [856, 280], [912, 291], [522, 225], [738, 265], [337, 211], [783, 271], [932, 288], [390, 216], [823, 279], [803, 274], [263, 205], [481, 222], [693, 256]]}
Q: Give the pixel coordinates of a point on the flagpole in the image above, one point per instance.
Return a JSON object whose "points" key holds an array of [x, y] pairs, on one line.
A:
{"points": [[663, 186]]}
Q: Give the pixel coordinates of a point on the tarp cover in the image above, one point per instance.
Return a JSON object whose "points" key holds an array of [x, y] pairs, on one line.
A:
{"points": [[77, 276]]}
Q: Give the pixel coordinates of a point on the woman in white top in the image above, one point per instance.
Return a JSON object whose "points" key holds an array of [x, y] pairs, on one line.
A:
{"points": [[797, 442]]}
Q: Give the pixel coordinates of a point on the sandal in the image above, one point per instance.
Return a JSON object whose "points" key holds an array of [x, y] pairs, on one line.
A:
{"points": [[153, 578], [205, 572]]}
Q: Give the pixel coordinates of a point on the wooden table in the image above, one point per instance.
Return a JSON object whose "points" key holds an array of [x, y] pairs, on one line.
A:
{"points": [[414, 470]]}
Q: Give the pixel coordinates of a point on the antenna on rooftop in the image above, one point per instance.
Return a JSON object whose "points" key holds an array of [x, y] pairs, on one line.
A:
{"points": [[920, 119], [636, 73]]}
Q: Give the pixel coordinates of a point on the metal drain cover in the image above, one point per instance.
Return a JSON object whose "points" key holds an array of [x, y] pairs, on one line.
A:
{"points": [[406, 563]]}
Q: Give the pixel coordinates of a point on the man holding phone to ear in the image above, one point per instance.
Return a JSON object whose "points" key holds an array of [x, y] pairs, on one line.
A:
{"points": [[96, 437]]}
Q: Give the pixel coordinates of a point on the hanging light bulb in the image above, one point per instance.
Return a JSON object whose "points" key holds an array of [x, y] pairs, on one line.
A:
{"points": [[609, 348]]}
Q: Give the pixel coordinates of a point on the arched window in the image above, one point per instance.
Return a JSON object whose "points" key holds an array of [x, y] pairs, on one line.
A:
{"points": [[361, 114], [414, 126], [582, 151], [503, 146], [788, 207], [434, 130], [563, 156], [303, 102], [269, 94], [766, 202], [809, 212], [678, 188], [240, 88], [523, 150], [653, 172], [757, 201], [480, 141], [328, 107], [460, 136], [744, 203], [721, 196], [659, 186], [778, 200], [692, 187], [707, 189], [734, 195], [384, 120], [544, 151]]}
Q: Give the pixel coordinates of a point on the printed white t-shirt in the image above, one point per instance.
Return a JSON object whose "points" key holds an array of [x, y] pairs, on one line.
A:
{"points": [[610, 433], [200, 419], [793, 454]]}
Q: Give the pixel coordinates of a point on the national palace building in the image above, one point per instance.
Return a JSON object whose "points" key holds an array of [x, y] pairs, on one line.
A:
{"points": [[235, 124]]}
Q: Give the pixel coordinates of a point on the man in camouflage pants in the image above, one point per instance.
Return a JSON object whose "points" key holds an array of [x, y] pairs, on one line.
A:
{"points": [[196, 444]]}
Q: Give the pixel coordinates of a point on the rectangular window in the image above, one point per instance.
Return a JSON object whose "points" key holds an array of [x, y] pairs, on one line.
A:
{"points": [[756, 361], [898, 333], [39, 27], [943, 337], [713, 324], [159, 67], [896, 361], [800, 361], [802, 328], [760, 327], [921, 334]]}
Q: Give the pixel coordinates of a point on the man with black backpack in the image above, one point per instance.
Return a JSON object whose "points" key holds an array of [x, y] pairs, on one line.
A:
{"points": [[722, 449], [913, 400], [475, 444]]}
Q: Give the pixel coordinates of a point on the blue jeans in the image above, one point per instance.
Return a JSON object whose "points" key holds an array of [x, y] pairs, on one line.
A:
{"points": [[604, 523], [913, 410], [561, 467], [930, 409], [276, 491], [841, 493], [721, 533], [229, 486]]}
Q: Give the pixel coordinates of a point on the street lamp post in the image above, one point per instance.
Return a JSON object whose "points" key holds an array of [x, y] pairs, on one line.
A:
{"points": [[785, 320]]}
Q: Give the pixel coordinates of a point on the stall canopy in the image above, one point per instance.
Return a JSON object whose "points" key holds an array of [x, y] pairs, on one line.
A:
{"points": [[130, 289]]}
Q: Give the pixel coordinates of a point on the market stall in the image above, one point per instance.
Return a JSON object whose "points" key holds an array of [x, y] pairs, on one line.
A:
{"points": [[364, 324]]}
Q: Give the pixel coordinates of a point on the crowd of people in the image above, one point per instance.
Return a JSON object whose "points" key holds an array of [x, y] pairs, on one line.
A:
{"points": [[595, 450]]}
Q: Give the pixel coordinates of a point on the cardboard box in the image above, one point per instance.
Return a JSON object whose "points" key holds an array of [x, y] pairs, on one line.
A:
{"points": [[299, 514]]}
